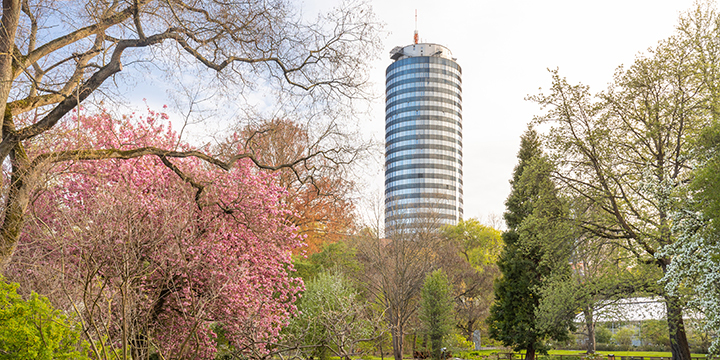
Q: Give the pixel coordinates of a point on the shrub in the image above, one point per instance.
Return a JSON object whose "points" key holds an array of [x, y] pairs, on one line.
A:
{"points": [[623, 337], [603, 335], [655, 332], [458, 343], [605, 347], [32, 329]]}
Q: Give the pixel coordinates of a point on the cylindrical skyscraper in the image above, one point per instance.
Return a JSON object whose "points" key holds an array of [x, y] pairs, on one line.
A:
{"points": [[423, 139]]}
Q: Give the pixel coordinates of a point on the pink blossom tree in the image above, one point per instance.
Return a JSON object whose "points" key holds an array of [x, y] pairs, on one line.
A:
{"points": [[155, 253], [57, 55]]}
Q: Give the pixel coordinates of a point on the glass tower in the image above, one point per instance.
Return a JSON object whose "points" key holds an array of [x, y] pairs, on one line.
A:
{"points": [[423, 139]]}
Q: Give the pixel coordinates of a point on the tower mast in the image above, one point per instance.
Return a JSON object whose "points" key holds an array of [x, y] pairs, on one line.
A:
{"points": [[416, 38]]}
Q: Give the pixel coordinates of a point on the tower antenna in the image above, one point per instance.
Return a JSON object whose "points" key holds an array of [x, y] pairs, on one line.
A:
{"points": [[416, 38]]}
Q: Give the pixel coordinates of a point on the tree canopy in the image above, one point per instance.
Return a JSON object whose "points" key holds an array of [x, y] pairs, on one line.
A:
{"points": [[56, 55], [154, 257], [696, 255], [332, 319], [627, 152], [471, 268], [436, 311], [536, 248]]}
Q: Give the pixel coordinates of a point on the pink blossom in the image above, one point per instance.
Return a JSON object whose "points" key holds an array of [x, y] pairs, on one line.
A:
{"points": [[134, 229]]}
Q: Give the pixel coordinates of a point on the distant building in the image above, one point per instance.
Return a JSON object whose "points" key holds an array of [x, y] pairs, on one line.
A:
{"points": [[629, 310], [423, 138], [632, 313]]}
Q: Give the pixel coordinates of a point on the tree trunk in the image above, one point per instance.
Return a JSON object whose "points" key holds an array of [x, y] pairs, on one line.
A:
{"points": [[414, 340], [590, 324], [678, 339], [15, 204], [530, 352], [397, 342], [8, 27], [435, 345]]}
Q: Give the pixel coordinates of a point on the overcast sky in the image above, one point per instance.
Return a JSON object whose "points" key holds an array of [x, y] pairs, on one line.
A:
{"points": [[505, 49]]}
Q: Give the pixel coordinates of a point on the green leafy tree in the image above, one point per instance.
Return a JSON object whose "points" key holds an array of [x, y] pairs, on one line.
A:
{"points": [[336, 256], [654, 332], [479, 244], [472, 270], [696, 254], [436, 310], [535, 249], [331, 320], [32, 329], [628, 150], [600, 276], [603, 335], [624, 336]]}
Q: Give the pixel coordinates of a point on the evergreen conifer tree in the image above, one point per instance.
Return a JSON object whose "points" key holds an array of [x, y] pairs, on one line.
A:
{"points": [[436, 307], [536, 247]]}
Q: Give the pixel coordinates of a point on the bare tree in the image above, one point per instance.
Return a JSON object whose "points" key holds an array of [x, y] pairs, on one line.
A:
{"points": [[395, 270], [56, 55]]}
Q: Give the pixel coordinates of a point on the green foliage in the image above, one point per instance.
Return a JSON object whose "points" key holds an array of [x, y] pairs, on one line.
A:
{"points": [[512, 314], [623, 337], [654, 332], [603, 334], [706, 182], [628, 151], [330, 318], [333, 256], [457, 343], [480, 244], [518, 208], [472, 270], [32, 329], [536, 249], [436, 307]]}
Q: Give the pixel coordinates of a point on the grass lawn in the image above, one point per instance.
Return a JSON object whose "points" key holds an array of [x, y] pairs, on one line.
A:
{"points": [[616, 353], [480, 354], [621, 353], [476, 355]]}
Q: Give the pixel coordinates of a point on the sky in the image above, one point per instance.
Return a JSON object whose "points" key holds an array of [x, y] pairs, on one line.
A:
{"points": [[505, 49]]}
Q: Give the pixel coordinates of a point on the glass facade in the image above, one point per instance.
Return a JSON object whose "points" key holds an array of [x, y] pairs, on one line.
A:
{"points": [[423, 139]]}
